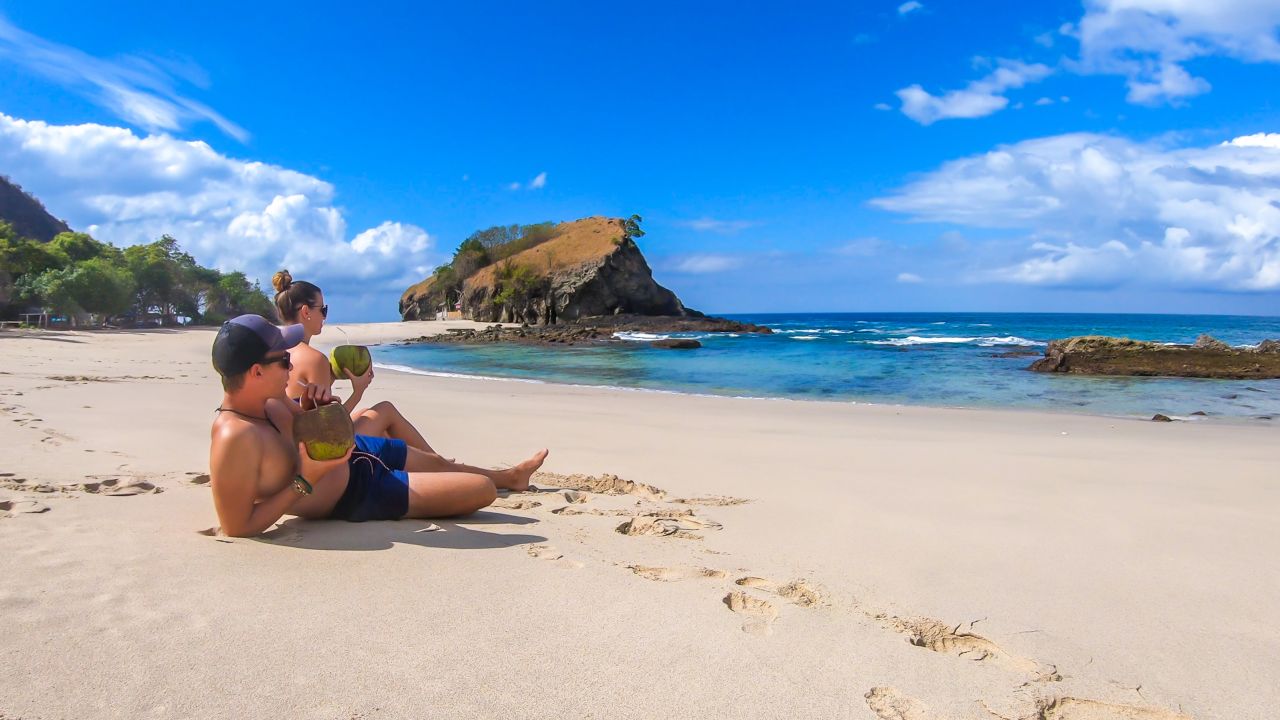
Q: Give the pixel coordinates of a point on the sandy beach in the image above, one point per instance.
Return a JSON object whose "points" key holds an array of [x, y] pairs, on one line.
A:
{"points": [[684, 557]]}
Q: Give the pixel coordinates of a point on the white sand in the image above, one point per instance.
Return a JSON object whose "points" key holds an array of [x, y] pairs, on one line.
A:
{"points": [[1138, 560]]}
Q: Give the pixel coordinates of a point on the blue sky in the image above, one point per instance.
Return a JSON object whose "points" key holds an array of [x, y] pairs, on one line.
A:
{"points": [[890, 156]]}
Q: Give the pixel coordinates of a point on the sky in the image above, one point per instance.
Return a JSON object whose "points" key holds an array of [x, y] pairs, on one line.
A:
{"points": [[1104, 156]]}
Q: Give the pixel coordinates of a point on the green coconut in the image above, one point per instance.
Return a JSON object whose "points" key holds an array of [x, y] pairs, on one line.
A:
{"points": [[355, 358], [326, 430]]}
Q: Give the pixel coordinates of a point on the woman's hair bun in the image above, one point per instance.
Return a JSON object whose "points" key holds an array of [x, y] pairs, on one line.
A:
{"points": [[281, 281]]}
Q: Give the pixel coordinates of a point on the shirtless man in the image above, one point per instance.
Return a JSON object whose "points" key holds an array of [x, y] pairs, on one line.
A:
{"points": [[259, 474]]}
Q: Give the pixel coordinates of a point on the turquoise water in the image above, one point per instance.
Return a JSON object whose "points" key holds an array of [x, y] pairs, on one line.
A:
{"points": [[936, 359]]}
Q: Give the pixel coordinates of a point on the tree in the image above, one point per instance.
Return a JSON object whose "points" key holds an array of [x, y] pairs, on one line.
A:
{"points": [[77, 246], [95, 286], [631, 227], [231, 295]]}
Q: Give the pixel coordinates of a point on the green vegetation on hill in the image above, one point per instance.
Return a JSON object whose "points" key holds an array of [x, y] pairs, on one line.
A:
{"points": [[89, 281], [481, 249]]}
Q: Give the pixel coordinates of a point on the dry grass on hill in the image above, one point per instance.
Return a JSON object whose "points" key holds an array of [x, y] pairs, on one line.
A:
{"points": [[577, 242]]}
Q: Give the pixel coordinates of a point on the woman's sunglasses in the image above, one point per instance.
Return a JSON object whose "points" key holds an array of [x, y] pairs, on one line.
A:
{"points": [[324, 309]]}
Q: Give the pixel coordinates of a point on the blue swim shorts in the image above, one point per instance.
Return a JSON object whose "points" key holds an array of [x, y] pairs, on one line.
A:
{"points": [[378, 486]]}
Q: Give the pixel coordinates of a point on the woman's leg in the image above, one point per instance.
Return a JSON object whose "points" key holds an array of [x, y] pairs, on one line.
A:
{"points": [[445, 494], [385, 420], [513, 478]]}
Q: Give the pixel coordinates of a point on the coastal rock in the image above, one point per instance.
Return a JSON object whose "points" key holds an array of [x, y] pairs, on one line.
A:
{"points": [[1268, 346], [1208, 342], [589, 268], [1161, 418], [592, 331], [677, 344], [1100, 355]]}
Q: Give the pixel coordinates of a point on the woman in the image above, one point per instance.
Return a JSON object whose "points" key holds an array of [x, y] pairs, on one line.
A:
{"points": [[301, 302]]}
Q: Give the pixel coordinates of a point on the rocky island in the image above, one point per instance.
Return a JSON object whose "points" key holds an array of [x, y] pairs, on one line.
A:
{"points": [[1206, 358], [565, 284]]}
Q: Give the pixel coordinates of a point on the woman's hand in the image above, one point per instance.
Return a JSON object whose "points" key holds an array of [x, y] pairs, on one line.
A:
{"points": [[359, 382]]}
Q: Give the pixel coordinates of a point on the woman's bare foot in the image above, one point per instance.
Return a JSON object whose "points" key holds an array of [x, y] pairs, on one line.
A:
{"points": [[517, 478]]}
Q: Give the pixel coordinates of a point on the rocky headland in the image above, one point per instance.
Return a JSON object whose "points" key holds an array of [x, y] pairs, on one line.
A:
{"points": [[1206, 358], [567, 284]]}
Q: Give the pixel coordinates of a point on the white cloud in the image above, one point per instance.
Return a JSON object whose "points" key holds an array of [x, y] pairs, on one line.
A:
{"points": [[537, 183], [229, 213], [704, 263], [862, 247], [1148, 41], [883, 106], [978, 99], [723, 227], [909, 7], [1264, 140], [141, 91], [1044, 101], [1105, 210], [909, 278]]}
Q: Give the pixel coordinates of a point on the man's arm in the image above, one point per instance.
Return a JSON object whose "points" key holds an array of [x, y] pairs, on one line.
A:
{"points": [[234, 465]]}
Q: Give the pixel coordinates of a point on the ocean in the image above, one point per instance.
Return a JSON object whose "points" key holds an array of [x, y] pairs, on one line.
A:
{"points": [[932, 359]]}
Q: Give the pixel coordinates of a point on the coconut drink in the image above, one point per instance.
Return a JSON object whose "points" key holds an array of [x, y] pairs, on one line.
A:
{"points": [[355, 358], [327, 431]]}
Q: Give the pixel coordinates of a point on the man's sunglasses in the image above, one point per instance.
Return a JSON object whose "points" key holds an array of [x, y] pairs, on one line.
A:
{"points": [[283, 360]]}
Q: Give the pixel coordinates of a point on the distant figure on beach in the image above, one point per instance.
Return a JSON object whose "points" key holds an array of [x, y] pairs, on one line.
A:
{"points": [[301, 302], [259, 473]]}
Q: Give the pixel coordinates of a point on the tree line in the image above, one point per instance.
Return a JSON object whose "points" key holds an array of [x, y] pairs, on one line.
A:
{"points": [[92, 282]]}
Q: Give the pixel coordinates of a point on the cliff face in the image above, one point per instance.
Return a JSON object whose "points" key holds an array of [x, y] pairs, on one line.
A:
{"points": [[591, 268], [27, 216]]}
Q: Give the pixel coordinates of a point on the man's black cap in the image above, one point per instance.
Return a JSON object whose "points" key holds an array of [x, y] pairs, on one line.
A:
{"points": [[246, 340]]}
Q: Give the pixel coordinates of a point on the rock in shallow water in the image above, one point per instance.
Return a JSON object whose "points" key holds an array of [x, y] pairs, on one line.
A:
{"points": [[677, 344], [1100, 355]]}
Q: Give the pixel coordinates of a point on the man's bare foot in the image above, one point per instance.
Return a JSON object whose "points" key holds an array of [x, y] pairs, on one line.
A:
{"points": [[517, 478]]}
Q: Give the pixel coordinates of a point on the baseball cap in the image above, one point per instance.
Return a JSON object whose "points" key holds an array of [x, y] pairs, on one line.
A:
{"points": [[245, 340]]}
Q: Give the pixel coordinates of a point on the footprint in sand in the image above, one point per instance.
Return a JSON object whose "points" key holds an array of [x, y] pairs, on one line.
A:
{"points": [[549, 553], [116, 486], [889, 704], [621, 512], [758, 615], [711, 500], [13, 508], [613, 485], [573, 497], [799, 592], [1069, 708], [655, 524], [674, 574], [601, 485], [934, 635], [509, 503]]}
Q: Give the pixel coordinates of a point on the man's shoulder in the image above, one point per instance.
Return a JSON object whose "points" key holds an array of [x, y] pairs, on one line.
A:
{"points": [[232, 436]]}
